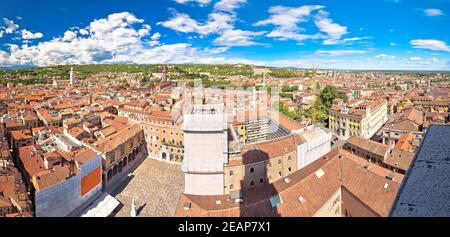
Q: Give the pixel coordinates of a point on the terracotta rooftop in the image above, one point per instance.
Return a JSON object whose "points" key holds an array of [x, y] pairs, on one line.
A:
{"points": [[21, 135], [31, 160], [110, 143], [373, 147], [267, 150], [341, 170]]}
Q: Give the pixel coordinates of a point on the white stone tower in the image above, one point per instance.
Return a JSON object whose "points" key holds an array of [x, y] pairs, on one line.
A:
{"points": [[72, 77], [205, 150]]}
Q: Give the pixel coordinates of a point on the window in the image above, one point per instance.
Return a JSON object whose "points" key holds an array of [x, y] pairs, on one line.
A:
{"points": [[289, 169], [252, 183], [231, 187], [279, 173], [252, 170], [231, 173], [279, 161], [261, 180], [289, 157]]}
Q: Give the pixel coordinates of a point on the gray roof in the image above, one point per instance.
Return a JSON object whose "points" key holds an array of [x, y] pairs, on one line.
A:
{"points": [[426, 189]]}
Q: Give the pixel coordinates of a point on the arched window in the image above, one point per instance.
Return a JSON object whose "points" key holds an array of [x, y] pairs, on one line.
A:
{"points": [[231, 187], [231, 173], [252, 183], [252, 170], [289, 169], [261, 180]]}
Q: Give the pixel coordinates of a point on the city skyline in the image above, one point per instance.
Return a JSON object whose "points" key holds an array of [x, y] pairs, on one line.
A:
{"points": [[374, 35]]}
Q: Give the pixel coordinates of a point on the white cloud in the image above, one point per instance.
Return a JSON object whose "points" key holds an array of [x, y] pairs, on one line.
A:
{"points": [[1, 33], [228, 5], [118, 38], [392, 44], [287, 18], [333, 30], [285, 35], [10, 26], [385, 56], [430, 44], [419, 61], [415, 58], [184, 23], [220, 21], [433, 12], [84, 32], [200, 2], [156, 36], [69, 35], [27, 35], [287, 22], [237, 38], [339, 52]]}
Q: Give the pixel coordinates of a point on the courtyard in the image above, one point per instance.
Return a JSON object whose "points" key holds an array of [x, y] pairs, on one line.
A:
{"points": [[156, 187]]}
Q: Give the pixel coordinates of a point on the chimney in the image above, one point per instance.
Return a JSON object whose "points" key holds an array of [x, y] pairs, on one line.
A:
{"points": [[45, 163]]}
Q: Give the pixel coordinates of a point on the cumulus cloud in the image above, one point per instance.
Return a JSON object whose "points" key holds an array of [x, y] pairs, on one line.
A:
{"points": [[237, 38], [118, 38], [430, 44], [433, 12], [339, 52], [10, 26], [84, 32], [216, 23], [156, 36], [27, 35], [200, 2], [385, 56], [287, 21], [333, 30], [415, 58], [221, 21], [69, 35], [228, 5]]}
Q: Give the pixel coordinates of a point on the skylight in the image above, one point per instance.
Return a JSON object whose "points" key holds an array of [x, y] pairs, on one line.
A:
{"points": [[275, 200], [319, 173]]}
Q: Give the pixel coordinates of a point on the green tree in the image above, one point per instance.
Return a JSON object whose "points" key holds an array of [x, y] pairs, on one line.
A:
{"points": [[328, 94]]}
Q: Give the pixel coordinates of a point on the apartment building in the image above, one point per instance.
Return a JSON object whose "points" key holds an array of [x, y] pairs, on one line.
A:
{"points": [[361, 118]]}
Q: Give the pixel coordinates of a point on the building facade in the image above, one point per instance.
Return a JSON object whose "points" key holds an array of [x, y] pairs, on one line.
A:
{"points": [[358, 119], [205, 139]]}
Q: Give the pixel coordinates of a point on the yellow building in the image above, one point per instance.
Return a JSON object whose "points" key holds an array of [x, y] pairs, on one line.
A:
{"points": [[404, 104], [361, 118]]}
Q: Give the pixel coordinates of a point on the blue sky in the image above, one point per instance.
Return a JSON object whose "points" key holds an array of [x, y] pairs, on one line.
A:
{"points": [[345, 34]]}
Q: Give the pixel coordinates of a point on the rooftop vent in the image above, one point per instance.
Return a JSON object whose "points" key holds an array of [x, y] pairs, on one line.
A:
{"points": [[238, 200], [319, 173], [187, 205], [287, 180], [301, 199], [390, 177], [386, 185]]}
